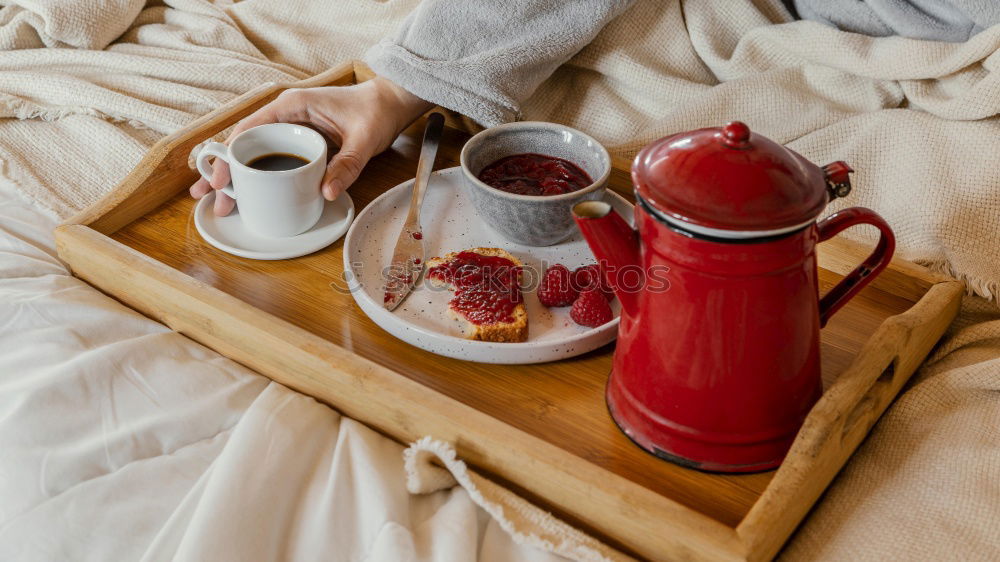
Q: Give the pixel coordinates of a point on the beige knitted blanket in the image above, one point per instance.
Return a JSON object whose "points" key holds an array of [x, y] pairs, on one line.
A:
{"points": [[86, 87]]}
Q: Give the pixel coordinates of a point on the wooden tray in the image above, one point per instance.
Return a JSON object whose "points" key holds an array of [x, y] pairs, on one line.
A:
{"points": [[541, 429]]}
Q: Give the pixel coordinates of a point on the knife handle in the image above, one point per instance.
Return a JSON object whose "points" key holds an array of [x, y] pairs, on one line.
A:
{"points": [[428, 152]]}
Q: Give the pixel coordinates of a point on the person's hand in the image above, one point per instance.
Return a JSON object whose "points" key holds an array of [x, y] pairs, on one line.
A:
{"points": [[362, 120]]}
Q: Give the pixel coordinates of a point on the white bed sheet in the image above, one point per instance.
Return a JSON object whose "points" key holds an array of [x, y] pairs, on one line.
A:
{"points": [[122, 440]]}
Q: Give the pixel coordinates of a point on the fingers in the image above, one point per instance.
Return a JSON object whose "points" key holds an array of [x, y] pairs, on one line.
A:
{"points": [[223, 204], [220, 174], [344, 168], [220, 178], [289, 107], [200, 188], [267, 114]]}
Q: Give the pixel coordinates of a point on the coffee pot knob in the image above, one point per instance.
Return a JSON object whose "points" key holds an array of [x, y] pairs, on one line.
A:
{"points": [[736, 134]]}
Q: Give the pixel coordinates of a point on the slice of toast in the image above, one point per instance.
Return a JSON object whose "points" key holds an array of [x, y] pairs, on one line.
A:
{"points": [[514, 330]]}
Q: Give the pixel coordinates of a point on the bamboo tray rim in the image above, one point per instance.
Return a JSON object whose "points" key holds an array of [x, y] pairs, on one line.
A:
{"points": [[653, 526]]}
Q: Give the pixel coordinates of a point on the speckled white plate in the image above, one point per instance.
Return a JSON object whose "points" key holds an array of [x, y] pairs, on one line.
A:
{"points": [[230, 235], [450, 224]]}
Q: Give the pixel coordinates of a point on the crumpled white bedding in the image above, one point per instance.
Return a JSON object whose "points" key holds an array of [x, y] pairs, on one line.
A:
{"points": [[122, 440]]}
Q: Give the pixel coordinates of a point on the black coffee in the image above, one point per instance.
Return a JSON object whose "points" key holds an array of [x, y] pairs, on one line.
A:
{"points": [[277, 162]]}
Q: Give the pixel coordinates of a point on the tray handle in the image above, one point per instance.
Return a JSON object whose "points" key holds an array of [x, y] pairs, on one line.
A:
{"points": [[842, 417], [867, 409]]}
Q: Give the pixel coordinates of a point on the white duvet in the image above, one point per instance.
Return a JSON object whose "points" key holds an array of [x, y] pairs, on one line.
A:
{"points": [[121, 440]]}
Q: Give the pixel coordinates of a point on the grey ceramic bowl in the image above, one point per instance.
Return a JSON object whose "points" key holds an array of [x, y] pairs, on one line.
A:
{"points": [[532, 220]]}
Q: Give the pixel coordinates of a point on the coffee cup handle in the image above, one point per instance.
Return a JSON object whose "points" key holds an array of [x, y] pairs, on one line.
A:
{"points": [[218, 150]]}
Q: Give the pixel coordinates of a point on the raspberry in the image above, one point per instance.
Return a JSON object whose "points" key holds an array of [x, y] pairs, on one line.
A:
{"points": [[556, 288], [591, 309], [589, 277]]}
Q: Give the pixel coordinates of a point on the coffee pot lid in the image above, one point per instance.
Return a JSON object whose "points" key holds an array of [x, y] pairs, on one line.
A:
{"points": [[731, 182]]}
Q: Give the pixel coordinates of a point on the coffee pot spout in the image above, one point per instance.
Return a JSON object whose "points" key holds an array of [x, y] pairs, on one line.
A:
{"points": [[615, 244]]}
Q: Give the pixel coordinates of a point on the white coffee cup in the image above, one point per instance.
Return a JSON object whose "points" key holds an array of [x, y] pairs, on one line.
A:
{"points": [[275, 204]]}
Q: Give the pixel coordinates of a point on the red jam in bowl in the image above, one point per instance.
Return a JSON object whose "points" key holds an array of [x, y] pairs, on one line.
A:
{"points": [[534, 174], [487, 288]]}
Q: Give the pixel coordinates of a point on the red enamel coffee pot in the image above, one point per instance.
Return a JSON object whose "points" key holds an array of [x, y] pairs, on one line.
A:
{"points": [[718, 356]]}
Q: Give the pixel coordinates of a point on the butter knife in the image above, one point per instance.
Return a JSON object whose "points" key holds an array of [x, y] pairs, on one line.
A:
{"points": [[408, 257]]}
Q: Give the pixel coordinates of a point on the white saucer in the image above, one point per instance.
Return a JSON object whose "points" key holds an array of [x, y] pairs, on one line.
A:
{"points": [[450, 223], [229, 235]]}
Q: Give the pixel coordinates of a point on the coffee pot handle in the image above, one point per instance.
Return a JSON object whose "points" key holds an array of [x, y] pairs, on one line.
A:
{"points": [[864, 273]]}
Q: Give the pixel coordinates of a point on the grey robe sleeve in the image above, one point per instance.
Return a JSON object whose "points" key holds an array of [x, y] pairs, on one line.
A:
{"points": [[939, 20], [482, 58]]}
